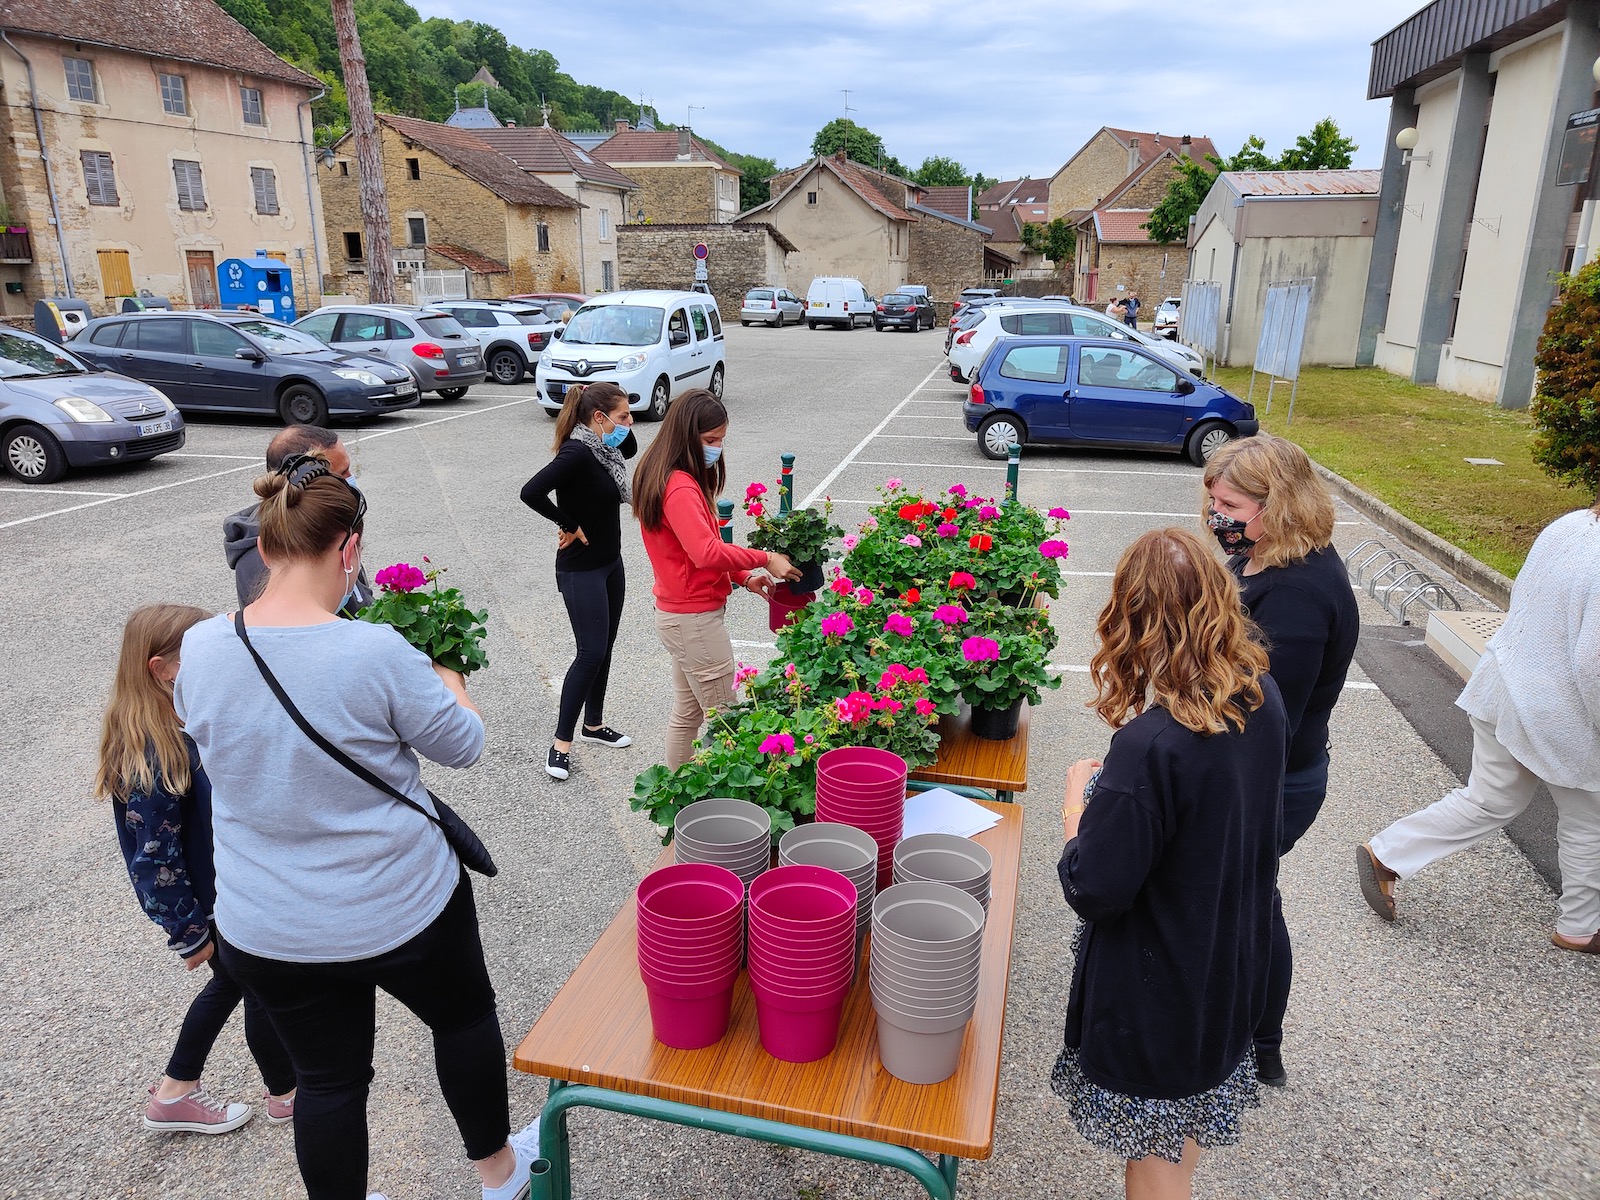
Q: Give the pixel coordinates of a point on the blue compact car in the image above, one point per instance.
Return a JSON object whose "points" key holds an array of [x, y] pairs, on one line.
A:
{"points": [[1097, 392]]}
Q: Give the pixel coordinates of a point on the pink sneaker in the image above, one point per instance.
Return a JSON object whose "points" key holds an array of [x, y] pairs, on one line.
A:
{"points": [[198, 1112], [278, 1111]]}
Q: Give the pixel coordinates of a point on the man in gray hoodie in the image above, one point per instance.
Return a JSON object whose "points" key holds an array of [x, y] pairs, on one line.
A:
{"points": [[240, 531]]}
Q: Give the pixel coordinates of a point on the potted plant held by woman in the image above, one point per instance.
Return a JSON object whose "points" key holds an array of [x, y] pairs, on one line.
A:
{"points": [[803, 535]]}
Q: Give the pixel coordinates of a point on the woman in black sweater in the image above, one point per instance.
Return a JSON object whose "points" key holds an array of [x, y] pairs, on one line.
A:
{"points": [[1171, 852], [594, 434], [1274, 519]]}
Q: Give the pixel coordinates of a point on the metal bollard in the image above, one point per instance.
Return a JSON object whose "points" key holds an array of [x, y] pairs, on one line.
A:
{"points": [[541, 1182], [1013, 466], [725, 520], [786, 485]]}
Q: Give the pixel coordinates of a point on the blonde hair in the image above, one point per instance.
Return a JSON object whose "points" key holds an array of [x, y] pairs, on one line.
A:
{"points": [[140, 737], [1175, 634], [301, 521], [1297, 512]]}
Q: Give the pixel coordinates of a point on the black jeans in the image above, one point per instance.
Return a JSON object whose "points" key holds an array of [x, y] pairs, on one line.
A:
{"points": [[327, 1012], [594, 606], [1304, 791], [209, 1012]]}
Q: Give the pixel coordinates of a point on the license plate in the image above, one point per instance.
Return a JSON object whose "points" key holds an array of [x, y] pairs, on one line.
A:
{"points": [[154, 427], [404, 389], [819, 304], [556, 390], [467, 360]]}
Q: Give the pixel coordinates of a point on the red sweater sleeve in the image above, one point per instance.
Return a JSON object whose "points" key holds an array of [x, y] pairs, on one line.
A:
{"points": [[687, 515]]}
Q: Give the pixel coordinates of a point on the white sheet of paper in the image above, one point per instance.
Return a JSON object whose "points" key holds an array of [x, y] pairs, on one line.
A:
{"points": [[940, 810]]}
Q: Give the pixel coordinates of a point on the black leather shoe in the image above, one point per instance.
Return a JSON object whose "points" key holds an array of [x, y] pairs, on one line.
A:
{"points": [[1269, 1068]]}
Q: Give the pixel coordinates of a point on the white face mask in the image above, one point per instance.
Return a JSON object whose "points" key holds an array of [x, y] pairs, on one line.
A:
{"points": [[352, 482]]}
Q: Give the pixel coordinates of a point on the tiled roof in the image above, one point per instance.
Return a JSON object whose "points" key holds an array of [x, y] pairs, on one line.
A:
{"points": [[1152, 144], [478, 264], [864, 185], [1121, 225], [653, 146], [1305, 183], [1000, 193], [543, 150], [1015, 191], [957, 201], [196, 31], [464, 150], [777, 234]]}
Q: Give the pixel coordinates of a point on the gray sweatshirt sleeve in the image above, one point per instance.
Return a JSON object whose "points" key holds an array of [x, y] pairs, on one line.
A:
{"points": [[427, 715]]}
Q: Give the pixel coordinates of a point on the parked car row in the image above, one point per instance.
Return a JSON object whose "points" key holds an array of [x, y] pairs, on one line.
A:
{"points": [[1041, 318]]}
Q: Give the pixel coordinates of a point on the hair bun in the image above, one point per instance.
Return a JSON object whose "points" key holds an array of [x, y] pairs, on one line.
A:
{"points": [[268, 486]]}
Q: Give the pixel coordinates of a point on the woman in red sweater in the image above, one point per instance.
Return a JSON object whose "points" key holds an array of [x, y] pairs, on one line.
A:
{"points": [[674, 486]]}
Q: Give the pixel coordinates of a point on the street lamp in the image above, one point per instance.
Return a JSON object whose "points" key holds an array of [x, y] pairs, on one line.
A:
{"points": [[1406, 140]]}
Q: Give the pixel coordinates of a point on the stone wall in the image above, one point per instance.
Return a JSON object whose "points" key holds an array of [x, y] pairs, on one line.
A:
{"points": [[945, 257], [1153, 271], [739, 257], [535, 270], [673, 195], [1090, 176]]}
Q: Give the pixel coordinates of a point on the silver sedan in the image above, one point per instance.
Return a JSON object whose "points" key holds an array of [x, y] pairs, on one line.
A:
{"points": [[773, 306]]}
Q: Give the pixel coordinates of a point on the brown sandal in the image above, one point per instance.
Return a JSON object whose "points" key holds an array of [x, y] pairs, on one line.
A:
{"points": [[1592, 946], [1377, 883]]}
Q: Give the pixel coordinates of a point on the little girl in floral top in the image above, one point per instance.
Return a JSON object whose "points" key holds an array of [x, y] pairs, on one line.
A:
{"points": [[151, 773]]}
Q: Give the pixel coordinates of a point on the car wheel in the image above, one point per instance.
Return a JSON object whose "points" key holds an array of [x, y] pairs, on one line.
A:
{"points": [[302, 404], [552, 413], [660, 396], [454, 393], [507, 367], [1207, 438], [744, 324], [811, 324], [997, 433], [33, 456]]}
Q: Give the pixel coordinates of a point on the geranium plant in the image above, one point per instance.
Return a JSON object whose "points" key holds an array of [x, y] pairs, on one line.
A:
{"points": [[1005, 655], [434, 619], [803, 534]]}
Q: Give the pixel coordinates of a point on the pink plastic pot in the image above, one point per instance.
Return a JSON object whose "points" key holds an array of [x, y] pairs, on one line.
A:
{"points": [[691, 988], [689, 894], [802, 895], [674, 965], [689, 1024], [848, 758], [796, 1036], [783, 606]]}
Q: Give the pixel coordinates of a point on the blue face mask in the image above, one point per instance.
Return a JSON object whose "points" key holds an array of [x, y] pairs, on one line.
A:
{"points": [[712, 453], [618, 435]]}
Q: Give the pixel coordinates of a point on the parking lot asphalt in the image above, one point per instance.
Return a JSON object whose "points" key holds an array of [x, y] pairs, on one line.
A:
{"points": [[1450, 1055]]}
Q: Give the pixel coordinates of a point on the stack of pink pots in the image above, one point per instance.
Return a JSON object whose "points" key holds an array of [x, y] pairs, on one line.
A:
{"points": [[865, 787], [691, 942], [802, 958]]}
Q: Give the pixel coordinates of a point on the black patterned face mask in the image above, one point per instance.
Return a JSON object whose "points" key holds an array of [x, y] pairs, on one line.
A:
{"points": [[1229, 532]]}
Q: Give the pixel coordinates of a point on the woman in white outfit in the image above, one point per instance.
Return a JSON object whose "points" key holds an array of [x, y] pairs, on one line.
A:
{"points": [[1534, 700]]}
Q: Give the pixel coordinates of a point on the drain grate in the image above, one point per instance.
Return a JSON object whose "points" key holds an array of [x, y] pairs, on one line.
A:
{"points": [[1396, 582]]}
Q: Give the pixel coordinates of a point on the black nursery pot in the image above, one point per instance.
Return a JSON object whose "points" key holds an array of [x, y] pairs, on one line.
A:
{"points": [[810, 578], [997, 724]]}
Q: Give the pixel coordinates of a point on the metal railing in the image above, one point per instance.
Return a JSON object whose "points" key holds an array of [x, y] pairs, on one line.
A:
{"points": [[1396, 582]]}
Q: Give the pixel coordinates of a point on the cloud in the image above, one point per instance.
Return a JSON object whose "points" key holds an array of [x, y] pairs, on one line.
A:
{"points": [[1006, 88]]}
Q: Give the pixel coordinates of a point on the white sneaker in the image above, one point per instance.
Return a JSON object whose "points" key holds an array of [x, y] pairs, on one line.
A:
{"points": [[520, 1183]]}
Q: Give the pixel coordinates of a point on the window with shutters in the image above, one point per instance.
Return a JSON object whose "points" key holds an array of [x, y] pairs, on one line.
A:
{"points": [[264, 182], [116, 272], [80, 80], [416, 231], [191, 187], [250, 102], [174, 95], [543, 231], [99, 177], [608, 276]]}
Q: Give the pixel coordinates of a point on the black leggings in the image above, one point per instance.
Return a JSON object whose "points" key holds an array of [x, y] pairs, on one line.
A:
{"points": [[209, 1012], [1304, 790], [327, 1012], [594, 606]]}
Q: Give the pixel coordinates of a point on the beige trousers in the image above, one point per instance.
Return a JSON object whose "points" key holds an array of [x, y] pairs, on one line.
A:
{"points": [[702, 675]]}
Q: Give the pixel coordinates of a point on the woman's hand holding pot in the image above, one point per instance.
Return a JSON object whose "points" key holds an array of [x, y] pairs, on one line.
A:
{"points": [[779, 566]]}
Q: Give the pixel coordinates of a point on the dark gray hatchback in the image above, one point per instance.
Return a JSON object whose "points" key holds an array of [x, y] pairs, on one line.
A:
{"points": [[245, 363]]}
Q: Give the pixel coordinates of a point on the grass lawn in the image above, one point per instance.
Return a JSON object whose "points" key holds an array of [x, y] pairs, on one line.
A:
{"points": [[1408, 445]]}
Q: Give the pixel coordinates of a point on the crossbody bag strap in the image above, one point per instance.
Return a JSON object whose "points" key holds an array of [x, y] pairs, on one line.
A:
{"points": [[332, 751]]}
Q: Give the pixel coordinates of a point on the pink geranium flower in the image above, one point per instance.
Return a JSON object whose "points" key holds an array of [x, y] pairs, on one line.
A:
{"points": [[988, 512], [925, 706], [957, 489], [777, 743], [842, 585], [755, 508], [950, 614], [810, 737], [755, 489], [1053, 548], [980, 649], [864, 595], [743, 672], [402, 577], [911, 539], [899, 623], [891, 484], [948, 529], [837, 624], [850, 541], [1060, 514]]}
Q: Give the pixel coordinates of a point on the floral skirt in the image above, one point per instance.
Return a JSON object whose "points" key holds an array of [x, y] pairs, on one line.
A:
{"points": [[1135, 1127]]}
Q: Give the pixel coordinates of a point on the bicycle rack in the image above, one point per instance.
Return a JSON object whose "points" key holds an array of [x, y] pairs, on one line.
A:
{"points": [[1387, 575]]}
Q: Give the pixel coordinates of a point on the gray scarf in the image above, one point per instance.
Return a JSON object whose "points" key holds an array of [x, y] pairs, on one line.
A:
{"points": [[610, 459]]}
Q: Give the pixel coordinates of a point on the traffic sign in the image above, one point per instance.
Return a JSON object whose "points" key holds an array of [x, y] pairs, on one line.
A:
{"points": [[700, 251]]}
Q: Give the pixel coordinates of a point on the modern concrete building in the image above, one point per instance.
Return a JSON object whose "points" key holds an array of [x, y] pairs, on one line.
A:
{"points": [[1257, 228], [1488, 188]]}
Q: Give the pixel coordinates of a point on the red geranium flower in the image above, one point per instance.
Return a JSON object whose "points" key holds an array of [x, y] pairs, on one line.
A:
{"points": [[949, 514], [911, 595], [962, 579], [980, 541], [910, 512]]}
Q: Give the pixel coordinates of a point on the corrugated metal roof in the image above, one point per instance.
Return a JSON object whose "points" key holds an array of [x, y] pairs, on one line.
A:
{"points": [[1430, 43], [1305, 183]]}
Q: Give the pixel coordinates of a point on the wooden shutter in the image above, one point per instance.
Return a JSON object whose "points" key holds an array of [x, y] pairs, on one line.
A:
{"points": [[116, 273], [264, 182], [191, 185], [99, 177]]}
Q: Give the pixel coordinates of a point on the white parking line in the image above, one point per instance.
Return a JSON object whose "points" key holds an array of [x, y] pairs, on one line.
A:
{"points": [[1190, 475], [196, 454], [50, 491], [924, 437], [822, 488], [412, 426]]}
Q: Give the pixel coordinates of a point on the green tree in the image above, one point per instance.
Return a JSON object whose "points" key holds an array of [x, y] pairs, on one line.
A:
{"points": [[753, 184], [1566, 416], [859, 144], [1057, 241], [1324, 148], [1169, 221], [938, 171]]}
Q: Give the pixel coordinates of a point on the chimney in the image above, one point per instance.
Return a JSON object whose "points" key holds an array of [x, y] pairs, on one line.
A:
{"points": [[1186, 147], [1133, 155], [511, 124], [838, 156], [623, 126], [683, 144]]}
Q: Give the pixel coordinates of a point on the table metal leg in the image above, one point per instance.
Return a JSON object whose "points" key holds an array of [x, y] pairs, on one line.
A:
{"points": [[938, 1181], [1006, 797]]}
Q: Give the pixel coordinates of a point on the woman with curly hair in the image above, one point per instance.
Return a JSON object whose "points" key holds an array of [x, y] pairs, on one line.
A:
{"points": [[1170, 860]]}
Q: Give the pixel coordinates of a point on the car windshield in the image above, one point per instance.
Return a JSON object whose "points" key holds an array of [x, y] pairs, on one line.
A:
{"points": [[531, 316], [759, 294], [24, 357], [614, 325], [279, 339], [898, 299]]}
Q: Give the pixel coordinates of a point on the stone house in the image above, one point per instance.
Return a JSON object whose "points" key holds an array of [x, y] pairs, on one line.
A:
{"points": [[681, 180], [454, 203], [603, 193], [845, 218], [740, 255], [172, 139], [1006, 208], [1099, 168], [1115, 255]]}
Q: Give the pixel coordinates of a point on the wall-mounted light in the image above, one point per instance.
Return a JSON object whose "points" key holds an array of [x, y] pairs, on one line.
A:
{"points": [[1406, 140], [1595, 70]]}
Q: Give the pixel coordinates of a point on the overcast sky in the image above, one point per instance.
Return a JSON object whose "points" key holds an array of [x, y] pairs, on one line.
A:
{"points": [[1007, 88]]}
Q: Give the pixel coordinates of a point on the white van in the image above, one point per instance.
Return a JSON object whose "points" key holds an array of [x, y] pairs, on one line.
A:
{"points": [[837, 300], [653, 345]]}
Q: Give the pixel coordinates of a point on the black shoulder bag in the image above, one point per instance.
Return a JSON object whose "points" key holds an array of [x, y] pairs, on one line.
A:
{"points": [[468, 848]]}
